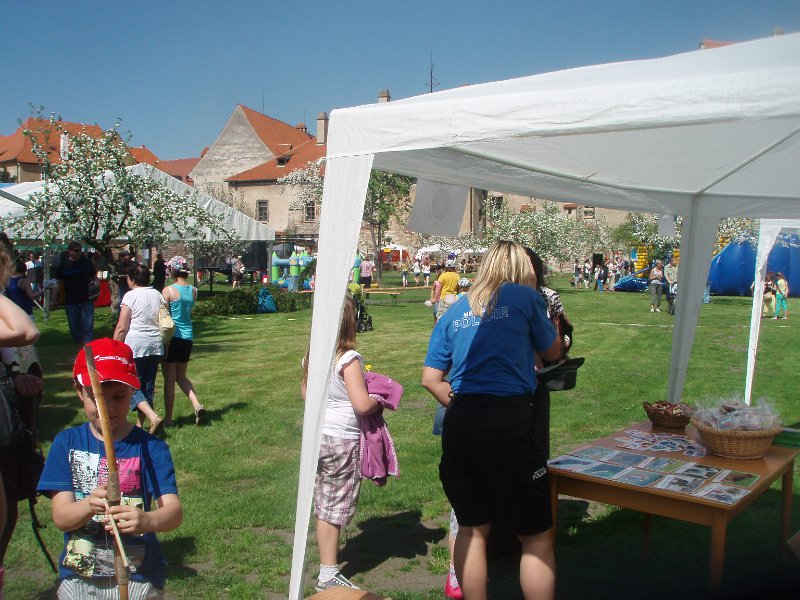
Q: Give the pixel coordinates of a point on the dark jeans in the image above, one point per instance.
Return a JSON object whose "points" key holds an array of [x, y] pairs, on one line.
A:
{"points": [[147, 369], [81, 321]]}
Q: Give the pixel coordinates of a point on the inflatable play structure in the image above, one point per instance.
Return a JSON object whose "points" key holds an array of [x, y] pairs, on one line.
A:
{"points": [[732, 269], [731, 272], [286, 271]]}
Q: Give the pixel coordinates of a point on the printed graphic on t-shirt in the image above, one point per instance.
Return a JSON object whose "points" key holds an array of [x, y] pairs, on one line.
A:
{"points": [[468, 319], [90, 550]]}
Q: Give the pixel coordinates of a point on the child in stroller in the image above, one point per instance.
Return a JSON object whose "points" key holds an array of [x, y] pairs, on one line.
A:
{"points": [[363, 320]]}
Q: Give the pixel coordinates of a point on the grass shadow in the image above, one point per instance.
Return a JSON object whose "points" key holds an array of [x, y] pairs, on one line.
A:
{"points": [[177, 549], [402, 535]]}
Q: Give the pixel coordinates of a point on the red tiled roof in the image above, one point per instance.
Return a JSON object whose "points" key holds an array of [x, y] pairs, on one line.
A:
{"points": [[143, 154], [283, 164], [179, 168], [275, 134], [18, 147], [707, 44]]}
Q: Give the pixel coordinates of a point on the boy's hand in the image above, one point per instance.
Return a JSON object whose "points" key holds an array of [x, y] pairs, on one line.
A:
{"points": [[97, 500], [130, 520]]}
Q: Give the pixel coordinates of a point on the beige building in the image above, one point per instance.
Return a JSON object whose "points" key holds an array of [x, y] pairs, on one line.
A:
{"points": [[244, 164]]}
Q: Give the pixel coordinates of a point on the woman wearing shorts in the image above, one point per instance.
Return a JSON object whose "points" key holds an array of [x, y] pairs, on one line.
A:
{"points": [[180, 297], [493, 463]]}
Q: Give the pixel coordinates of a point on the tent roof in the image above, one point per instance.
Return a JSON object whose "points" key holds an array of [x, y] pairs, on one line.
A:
{"points": [[13, 199], [611, 135], [705, 134]]}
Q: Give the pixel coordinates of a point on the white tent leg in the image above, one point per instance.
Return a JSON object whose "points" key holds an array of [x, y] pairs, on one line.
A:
{"points": [[338, 236], [697, 240], [766, 239]]}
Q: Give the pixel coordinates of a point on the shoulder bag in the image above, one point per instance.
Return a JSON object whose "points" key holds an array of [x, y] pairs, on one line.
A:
{"points": [[165, 322]]}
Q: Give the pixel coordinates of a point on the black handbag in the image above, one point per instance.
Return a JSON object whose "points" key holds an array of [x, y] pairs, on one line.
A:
{"points": [[562, 376], [12, 430]]}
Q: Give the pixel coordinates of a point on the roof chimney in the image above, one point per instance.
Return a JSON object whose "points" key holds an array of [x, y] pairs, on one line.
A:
{"points": [[301, 127], [383, 96], [322, 128], [777, 30]]}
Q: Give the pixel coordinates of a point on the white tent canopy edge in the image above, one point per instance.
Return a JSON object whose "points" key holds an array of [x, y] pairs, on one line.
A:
{"points": [[705, 134], [768, 234]]}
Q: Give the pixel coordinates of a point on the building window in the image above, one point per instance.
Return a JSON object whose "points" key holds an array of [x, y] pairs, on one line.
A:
{"points": [[310, 213], [263, 210], [588, 212]]}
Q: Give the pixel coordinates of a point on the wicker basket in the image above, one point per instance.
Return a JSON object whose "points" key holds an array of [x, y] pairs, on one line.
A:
{"points": [[667, 421], [732, 443]]}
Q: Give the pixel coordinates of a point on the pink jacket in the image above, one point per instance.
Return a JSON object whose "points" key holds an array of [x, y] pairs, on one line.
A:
{"points": [[378, 456]]}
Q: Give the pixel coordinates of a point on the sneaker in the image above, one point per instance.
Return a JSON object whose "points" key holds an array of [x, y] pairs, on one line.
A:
{"points": [[200, 416], [451, 587], [658, 310], [652, 310], [337, 580]]}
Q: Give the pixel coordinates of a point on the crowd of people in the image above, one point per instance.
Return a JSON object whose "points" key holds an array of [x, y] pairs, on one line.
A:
{"points": [[75, 473], [493, 411]]}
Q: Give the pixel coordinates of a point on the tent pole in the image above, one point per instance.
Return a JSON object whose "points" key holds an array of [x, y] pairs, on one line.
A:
{"points": [[697, 240]]}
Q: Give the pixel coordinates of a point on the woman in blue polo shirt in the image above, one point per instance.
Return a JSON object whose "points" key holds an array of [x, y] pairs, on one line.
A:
{"points": [[480, 365]]}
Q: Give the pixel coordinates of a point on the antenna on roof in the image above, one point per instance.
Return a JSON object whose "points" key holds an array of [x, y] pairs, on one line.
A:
{"points": [[432, 81], [262, 102]]}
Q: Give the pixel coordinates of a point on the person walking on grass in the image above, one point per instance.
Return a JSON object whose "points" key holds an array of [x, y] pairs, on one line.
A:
{"points": [[180, 297], [781, 293], [138, 327], [493, 463], [656, 286], [75, 272], [338, 483]]}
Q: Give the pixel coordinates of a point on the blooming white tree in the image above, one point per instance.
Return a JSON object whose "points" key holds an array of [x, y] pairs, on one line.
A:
{"points": [[554, 235], [89, 195]]}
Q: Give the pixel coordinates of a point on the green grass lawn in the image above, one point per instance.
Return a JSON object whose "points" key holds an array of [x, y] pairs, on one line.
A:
{"points": [[238, 475]]}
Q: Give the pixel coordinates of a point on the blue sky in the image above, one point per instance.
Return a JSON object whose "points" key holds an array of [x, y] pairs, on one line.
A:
{"points": [[173, 71]]}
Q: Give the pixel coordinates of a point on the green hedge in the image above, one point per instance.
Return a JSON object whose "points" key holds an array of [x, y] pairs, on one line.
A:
{"points": [[245, 302]]}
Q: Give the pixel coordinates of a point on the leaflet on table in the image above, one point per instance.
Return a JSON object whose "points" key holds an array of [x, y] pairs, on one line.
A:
{"points": [[576, 464], [662, 465], [681, 484], [660, 442], [737, 478], [696, 470], [718, 492]]}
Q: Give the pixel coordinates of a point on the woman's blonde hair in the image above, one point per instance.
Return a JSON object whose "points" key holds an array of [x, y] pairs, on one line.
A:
{"points": [[347, 334], [504, 262]]}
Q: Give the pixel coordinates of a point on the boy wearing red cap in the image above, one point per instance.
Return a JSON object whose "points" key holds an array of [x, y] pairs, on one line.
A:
{"points": [[75, 474]]}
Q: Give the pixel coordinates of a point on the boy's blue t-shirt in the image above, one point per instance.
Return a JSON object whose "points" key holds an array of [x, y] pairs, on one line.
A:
{"points": [[77, 463], [493, 354]]}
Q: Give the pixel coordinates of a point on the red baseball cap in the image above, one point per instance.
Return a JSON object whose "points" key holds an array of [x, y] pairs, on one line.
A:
{"points": [[113, 361]]}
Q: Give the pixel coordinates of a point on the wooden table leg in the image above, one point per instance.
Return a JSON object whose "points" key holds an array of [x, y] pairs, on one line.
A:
{"points": [[786, 509], [717, 559], [648, 520]]}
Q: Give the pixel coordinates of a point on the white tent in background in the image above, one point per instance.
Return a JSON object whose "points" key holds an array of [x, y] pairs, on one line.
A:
{"points": [[13, 199], [704, 134], [768, 234]]}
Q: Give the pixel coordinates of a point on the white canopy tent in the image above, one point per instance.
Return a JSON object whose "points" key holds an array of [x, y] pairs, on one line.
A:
{"points": [[704, 134], [768, 234], [13, 199]]}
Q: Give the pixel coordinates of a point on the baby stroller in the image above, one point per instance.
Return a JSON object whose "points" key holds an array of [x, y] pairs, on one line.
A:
{"points": [[363, 320]]}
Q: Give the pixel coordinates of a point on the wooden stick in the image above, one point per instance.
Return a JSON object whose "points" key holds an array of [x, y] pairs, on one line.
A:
{"points": [[117, 534], [113, 494]]}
